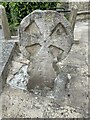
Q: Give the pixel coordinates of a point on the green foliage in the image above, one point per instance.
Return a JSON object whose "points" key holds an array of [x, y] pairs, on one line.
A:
{"points": [[16, 11]]}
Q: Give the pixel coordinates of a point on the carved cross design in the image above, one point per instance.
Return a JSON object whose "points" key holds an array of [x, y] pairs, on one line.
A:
{"points": [[45, 36]]}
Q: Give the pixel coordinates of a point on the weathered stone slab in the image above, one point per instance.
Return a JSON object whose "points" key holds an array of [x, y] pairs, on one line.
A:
{"points": [[4, 26], [45, 37], [5, 60]]}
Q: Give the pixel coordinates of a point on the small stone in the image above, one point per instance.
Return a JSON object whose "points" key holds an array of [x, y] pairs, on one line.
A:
{"points": [[36, 98], [61, 108], [69, 76], [36, 93], [76, 41]]}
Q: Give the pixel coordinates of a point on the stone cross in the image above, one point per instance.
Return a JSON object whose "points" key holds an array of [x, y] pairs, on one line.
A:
{"points": [[45, 37]]}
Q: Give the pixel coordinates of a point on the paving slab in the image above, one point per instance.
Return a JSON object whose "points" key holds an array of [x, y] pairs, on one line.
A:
{"points": [[7, 51]]}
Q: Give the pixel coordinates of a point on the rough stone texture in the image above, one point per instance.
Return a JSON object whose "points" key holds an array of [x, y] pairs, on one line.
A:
{"points": [[20, 104], [73, 16], [17, 103], [45, 36], [20, 79], [4, 26], [76, 65], [83, 15], [83, 7], [7, 52], [18, 76]]}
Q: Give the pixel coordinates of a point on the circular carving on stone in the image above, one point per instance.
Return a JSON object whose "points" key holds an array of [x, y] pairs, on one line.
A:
{"points": [[45, 35]]}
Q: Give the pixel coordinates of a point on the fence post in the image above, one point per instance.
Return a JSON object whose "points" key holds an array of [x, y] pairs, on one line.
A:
{"points": [[72, 17], [4, 26]]}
